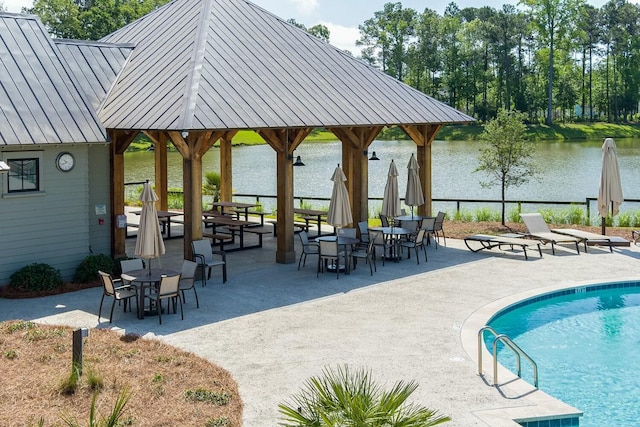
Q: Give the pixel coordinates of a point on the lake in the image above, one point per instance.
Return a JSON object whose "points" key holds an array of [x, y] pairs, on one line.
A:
{"points": [[568, 171]]}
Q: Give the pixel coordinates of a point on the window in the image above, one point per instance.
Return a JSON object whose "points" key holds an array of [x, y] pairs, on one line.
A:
{"points": [[25, 172], [24, 175]]}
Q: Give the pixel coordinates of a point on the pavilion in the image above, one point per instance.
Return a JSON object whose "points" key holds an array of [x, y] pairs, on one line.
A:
{"points": [[202, 70]]}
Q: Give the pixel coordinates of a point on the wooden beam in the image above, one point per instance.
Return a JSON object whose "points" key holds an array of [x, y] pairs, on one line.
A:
{"points": [[119, 143], [355, 144], [162, 171], [226, 167], [284, 142], [423, 136]]}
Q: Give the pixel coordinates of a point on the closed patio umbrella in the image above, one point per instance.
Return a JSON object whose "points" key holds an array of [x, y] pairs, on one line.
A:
{"points": [[149, 243], [339, 214], [391, 199], [413, 196], [610, 191]]}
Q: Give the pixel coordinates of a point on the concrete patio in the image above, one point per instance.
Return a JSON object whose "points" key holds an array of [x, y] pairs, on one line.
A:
{"points": [[273, 326]]}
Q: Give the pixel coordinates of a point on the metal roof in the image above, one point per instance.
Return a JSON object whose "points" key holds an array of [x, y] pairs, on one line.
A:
{"points": [[229, 64], [40, 101], [95, 65]]}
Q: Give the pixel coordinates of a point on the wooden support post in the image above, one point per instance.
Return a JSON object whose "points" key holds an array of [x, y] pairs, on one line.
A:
{"points": [[162, 175], [285, 251], [119, 143], [423, 136], [284, 142], [355, 142], [226, 170]]}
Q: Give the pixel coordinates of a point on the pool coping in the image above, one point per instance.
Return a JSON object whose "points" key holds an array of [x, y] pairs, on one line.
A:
{"points": [[536, 404]]}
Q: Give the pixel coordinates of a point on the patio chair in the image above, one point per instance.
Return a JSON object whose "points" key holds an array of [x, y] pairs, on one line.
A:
{"points": [[368, 254], [127, 265], [384, 220], [380, 241], [308, 248], [203, 256], [438, 228], [187, 279], [537, 228], [428, 225], [329, 252], [416, 242], [363, 227], [168, 289], [118, 293]]}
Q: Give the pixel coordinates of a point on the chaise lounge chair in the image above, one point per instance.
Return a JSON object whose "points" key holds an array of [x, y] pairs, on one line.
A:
{"points": [[487, 241], [538, 229], [586, 236]]}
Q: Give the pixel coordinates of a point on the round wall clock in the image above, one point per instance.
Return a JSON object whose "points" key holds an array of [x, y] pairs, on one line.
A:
{"points": [[65, 161]]}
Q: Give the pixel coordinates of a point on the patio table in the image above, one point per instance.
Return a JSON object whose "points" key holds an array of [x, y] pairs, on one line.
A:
{"points": [[145, 278]]}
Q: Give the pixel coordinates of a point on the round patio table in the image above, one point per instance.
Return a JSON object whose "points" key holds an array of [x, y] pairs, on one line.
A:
{"points": [[146, 278], [394, 234], [342, 241]]}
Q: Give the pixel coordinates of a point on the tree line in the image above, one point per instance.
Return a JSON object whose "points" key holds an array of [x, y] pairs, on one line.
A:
{"points": [[554, 60]]}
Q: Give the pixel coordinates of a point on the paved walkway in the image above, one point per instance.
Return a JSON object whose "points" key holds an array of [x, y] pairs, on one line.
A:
{"points": [[273, 326]]}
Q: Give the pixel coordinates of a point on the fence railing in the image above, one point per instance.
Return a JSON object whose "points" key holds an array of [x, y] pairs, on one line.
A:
{"points": [[459, 204]]}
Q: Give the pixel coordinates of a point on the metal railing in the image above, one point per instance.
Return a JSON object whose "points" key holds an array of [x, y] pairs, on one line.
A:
{"points": [[508, 342], [459, 203]]}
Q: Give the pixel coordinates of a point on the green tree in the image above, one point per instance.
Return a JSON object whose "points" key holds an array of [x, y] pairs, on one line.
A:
{"points": [[84, 20], [389, 33], [320, 31], [552, 19], [506, 157], [343, 397]]}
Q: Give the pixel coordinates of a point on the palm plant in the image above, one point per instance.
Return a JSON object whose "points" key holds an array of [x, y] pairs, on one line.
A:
{"points": [[211, 186], [343, 397]]}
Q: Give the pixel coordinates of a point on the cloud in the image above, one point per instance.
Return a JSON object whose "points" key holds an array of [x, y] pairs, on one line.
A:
{"points": [[343, 38], [306, 7]]}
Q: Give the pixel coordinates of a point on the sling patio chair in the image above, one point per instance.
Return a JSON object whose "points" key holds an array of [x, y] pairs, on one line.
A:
{"points": [[118, 293], [203, 256], [537, 228], [308, 248]]}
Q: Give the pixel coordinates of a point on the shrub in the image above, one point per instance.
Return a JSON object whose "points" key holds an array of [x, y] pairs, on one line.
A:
{"points": [[36, 277], [88, 270]]}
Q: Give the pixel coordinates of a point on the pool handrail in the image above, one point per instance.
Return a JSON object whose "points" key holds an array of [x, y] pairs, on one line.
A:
{"points": [[508, 342]]}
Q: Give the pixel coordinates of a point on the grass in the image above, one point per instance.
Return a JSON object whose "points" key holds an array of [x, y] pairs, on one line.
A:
{"points": [[38, 381]]}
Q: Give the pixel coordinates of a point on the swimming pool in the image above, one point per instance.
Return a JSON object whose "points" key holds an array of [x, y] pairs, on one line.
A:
{"points": [[586, 343]]}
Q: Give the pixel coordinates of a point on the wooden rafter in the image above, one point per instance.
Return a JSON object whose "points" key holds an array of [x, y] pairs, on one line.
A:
{"points": [[422, 134]]}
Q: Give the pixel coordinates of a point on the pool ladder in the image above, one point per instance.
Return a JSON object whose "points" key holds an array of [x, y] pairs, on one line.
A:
{"points": [[508, 342]]}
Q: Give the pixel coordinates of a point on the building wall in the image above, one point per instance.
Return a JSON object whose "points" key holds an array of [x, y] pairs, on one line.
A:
{"points": [[99, 188], [59, 225]]}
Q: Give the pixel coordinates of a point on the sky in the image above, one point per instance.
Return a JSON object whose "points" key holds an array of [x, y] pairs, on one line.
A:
{"points": [[341, 17]]}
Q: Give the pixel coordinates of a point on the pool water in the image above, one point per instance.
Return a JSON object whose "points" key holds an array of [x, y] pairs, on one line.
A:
{"points": [[587, 347]]}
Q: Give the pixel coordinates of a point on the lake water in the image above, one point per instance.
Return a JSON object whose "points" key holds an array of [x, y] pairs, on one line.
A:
{"points": [[569, 171]]}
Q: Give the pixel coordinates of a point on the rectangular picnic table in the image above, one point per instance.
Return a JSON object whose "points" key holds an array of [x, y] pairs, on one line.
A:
{"points": [[309, 214], [238, 207], [234, 225], [165, 217]]}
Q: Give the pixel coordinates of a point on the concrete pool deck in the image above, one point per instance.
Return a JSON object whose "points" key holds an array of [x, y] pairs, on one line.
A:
{"points": [[272, 326]]}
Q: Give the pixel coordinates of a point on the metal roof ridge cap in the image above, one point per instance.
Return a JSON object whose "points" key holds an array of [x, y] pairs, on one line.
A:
{"points": [[116, 80], [193, 82]]}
